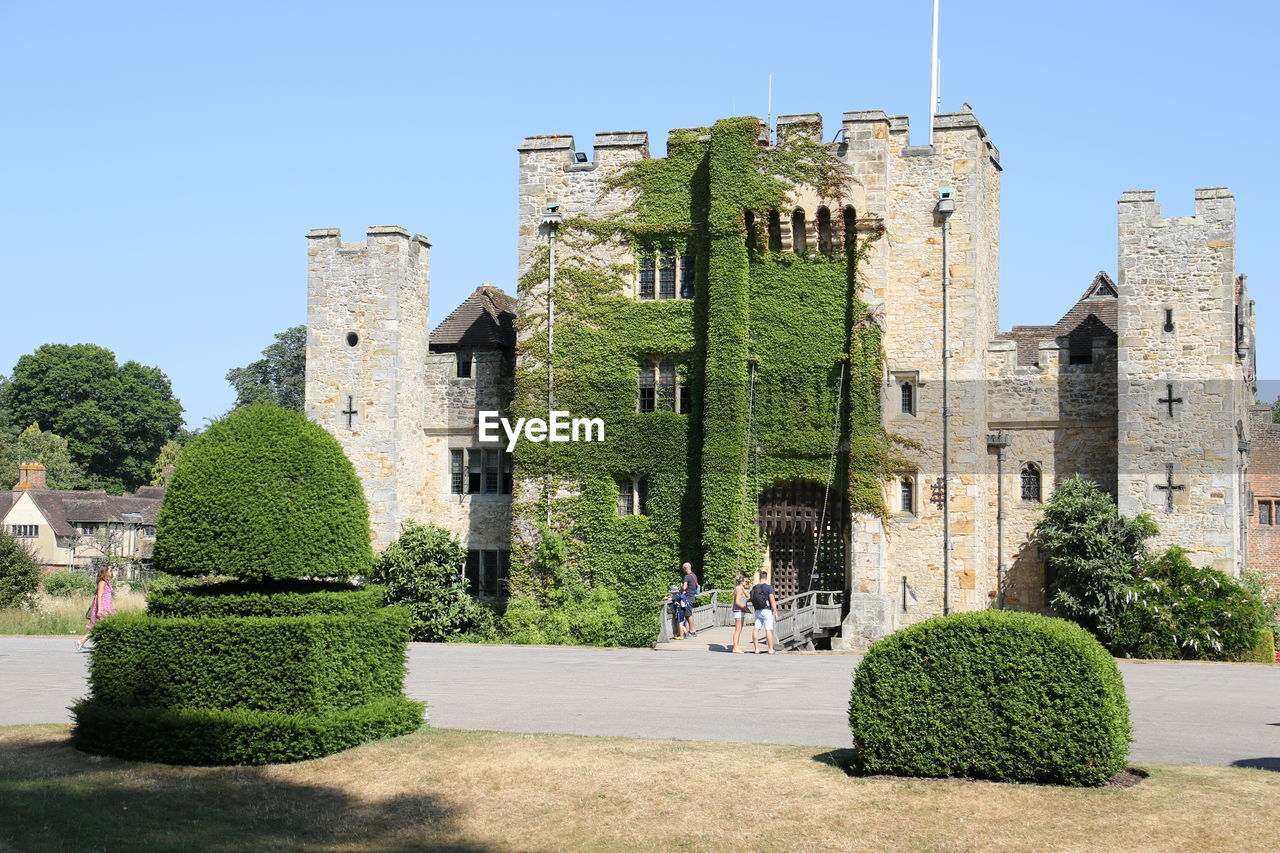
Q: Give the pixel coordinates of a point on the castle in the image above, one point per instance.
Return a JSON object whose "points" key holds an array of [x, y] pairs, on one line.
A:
{"points": [[738, 355]]}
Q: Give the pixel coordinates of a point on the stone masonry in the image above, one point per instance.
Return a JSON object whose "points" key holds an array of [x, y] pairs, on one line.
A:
{"points": [[1144, 386]]}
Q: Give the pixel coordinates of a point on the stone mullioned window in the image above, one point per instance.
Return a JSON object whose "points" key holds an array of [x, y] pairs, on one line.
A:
{"points": [[479, 472]]}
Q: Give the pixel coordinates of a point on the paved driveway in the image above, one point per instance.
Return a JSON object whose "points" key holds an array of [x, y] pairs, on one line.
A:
{"points": [[1183, 713]]}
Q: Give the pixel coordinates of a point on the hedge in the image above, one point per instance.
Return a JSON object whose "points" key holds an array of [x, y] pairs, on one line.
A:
{"points": [[993, 695], [293, 665], [205, 737], [264, 494], [282, 598], [1263, 649]]}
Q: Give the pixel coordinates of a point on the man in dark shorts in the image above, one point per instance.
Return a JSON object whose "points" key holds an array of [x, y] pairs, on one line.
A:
{"points": [[689, 589]]}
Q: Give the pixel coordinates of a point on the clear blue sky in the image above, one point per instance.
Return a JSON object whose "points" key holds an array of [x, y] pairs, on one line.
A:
{"points": [[160, 163]]}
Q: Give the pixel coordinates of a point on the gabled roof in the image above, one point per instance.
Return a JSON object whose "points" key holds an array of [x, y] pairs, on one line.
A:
{"points": [[63, 509], [486, 319], [1098, 301]]}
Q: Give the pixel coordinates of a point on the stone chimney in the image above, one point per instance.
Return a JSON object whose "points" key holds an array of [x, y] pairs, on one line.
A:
{"points": [[167, 474], [30, 476]]}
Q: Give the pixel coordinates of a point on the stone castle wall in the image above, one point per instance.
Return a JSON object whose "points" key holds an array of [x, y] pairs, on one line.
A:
{"points": [[481, 521], [367, 343], [903, 276], [1185, 265], [1060, 418]]}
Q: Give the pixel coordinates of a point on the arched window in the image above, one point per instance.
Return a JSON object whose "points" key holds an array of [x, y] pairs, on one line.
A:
{"points": [[752, 237], [907, 495], [824, 231], [1031, 482], [850, 223], [799, 239], [775, 231]]}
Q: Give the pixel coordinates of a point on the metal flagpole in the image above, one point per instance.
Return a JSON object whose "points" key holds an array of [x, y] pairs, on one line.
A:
{"points": [[933, 73]]}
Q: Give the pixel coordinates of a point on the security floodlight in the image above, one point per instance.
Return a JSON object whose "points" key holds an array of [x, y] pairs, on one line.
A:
{"points": [[580, 156], [946, 202]]}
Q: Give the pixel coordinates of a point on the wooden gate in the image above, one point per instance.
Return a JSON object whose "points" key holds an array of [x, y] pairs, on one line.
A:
{"points": [[790, 515]]}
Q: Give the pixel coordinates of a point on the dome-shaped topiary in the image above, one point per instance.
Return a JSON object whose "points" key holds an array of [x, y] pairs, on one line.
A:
{"points": [[264, 494], [992, 695]]}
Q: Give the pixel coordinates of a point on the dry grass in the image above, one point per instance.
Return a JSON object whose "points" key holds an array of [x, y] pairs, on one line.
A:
{"points": [[61, 616], [480, 791]]}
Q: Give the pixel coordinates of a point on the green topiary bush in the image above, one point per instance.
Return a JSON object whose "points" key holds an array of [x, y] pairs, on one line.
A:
{"points": [[264, 494], [282, 598], [991, 695], [205, 737], [268, 667], [19, 572], [294, 665], [65, 584]]}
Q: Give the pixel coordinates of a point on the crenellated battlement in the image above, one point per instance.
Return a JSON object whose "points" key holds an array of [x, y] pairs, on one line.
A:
{"points": [[1213, 205], [620, 146], [385, 236]]}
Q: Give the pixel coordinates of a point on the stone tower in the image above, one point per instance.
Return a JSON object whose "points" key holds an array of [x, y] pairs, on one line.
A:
{"points": [[367, 345], [1182, 390], [900, 184]]}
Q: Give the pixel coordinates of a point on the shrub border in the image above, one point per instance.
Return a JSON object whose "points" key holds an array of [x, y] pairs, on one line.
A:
{"points": [[207, 737]]}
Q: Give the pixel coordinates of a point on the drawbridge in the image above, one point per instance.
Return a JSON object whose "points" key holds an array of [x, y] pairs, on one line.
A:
{"points": [[801, 622]]}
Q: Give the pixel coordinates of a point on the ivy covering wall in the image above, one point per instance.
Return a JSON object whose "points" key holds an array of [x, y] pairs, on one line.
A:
{"points": [[815, 350]]}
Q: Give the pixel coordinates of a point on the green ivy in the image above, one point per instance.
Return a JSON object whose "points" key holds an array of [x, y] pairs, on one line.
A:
{"points": [[800, 318]]}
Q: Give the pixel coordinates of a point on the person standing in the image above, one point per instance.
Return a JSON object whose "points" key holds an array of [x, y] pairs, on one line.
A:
{"points": [[102, 605], [689, 588], [741, 605], [765, 603]]}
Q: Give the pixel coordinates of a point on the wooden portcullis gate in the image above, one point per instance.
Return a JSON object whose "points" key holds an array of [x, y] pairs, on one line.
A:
{"points": [[789, 520]]}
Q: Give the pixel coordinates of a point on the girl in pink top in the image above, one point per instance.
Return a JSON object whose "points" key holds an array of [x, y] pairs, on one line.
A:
{"points": [[102, 605]]}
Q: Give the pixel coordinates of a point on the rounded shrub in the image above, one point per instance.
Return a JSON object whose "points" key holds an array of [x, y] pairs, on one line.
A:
{"points": [[991, 695], [422, 573], [264, 494]]}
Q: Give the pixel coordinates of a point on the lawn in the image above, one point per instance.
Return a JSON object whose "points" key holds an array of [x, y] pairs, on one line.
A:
{"points": [[444, 789]]}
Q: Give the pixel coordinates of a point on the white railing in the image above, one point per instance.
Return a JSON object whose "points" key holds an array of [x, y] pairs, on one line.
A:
{"points": [[798, 619]]}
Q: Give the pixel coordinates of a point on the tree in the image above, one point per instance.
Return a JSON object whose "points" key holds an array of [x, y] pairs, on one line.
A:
{"points": [[115, 417], [1093, 554], [422, 572], [278, 377], [169, 453], [47, 448], [19, 572], [1275, 411]]}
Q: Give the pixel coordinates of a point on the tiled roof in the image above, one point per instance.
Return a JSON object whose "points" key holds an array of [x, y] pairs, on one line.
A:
{"points": [[63, 508], [486, 319], [1099, 300]]}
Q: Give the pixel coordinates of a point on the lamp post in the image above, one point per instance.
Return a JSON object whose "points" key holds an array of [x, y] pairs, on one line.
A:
{"points": [[552, 218], [944, 208]]}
